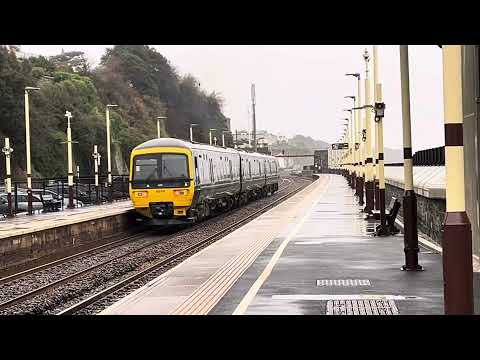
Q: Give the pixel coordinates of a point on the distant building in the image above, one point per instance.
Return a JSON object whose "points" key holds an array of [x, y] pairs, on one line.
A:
{"points": [[242, 136], [263, 137]]}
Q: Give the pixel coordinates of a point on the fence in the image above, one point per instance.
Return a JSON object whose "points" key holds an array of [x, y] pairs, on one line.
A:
{"points": [[85, 192], [430, 157]]}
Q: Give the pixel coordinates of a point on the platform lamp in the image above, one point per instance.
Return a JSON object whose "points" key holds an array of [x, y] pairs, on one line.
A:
{"points": [[27, 143], [210, 134], [344, 137], [342, 140], [358, 148], [69, 116], [7, 150], [96, 159], [109, 154], [223, 136], [369, 177], [457, 228], [191, 131], [411, 247], [350, 151], [353, 116], [158, 124]]}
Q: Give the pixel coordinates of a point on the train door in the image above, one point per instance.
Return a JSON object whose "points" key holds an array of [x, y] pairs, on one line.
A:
{"points": [[240, 171], [197, 173], [210, 163], [265, 170]]}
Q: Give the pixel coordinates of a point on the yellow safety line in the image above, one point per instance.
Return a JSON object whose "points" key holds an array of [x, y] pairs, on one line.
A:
{"points": [[247, 300]]}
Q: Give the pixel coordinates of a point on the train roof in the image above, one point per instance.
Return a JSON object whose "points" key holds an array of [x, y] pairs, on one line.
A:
{"points": [[173, 142], [164, 142]]}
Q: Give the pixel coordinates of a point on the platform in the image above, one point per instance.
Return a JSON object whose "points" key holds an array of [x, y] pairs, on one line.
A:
{"points": [[24, 224], [313, 254]]}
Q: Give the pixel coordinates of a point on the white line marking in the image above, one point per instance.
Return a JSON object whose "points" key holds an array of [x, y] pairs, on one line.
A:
{"points": [[326, 297], [246, 301]]}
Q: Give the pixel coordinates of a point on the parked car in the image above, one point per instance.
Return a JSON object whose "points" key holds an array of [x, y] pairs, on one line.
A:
{"points": [[22, 199], [3, 204], [56, 196], [79, 195]]}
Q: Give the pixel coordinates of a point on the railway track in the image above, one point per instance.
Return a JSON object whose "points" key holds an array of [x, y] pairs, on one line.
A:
{"points": [[100, 248], [71, 278]]}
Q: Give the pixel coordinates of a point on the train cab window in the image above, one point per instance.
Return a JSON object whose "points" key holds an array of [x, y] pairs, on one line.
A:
{"points": [[230, 166], [249, 169], [259, 168], [159, 170]]}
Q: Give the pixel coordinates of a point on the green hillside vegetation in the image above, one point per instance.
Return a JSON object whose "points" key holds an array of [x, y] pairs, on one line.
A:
{"points": [[137, 78]]}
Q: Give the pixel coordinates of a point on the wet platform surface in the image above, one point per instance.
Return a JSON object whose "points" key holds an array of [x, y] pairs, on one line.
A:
{"points": [[24, 224], [312, 255]]}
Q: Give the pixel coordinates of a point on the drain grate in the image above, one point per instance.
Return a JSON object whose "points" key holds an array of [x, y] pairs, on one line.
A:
{"points": [[361, 307], [345, 282]]}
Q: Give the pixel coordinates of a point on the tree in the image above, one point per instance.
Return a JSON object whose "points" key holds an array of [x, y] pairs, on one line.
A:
{"points": [[72, 61], [136, 77]]}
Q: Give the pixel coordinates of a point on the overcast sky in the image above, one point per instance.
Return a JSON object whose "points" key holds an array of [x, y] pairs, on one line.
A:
{"points": [[300, 89]]}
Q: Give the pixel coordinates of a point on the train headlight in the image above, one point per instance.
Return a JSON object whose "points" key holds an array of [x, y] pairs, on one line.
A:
{"points": [[141, 194], [180, 192]]}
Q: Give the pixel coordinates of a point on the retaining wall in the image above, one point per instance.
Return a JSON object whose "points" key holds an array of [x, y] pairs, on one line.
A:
{"points": [[430, 212], [21, 249]]}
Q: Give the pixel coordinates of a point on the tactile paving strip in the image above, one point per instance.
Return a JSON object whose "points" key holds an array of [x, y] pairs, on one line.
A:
{"points": [[344, 282], [361, 307]]}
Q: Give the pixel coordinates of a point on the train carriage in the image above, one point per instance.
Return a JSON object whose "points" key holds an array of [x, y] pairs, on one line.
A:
{"points": [[175, 182]]}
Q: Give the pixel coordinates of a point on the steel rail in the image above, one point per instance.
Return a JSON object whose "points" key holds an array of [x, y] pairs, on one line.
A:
{"points": [[62, 260]]}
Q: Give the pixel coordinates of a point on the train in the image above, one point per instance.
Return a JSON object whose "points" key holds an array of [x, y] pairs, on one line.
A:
{"points": [[176, 182]]}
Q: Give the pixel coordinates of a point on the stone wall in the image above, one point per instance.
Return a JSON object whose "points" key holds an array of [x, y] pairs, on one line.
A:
{"points": [[18, 250], [430, 212]]}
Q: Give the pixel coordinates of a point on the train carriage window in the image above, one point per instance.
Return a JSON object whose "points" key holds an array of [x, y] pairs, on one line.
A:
{"points": [[230, 166], [259, 168], [249, 169]]}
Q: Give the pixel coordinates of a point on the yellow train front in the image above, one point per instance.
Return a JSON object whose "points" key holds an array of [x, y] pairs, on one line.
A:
{"points": [[176, 182], [161, 181]]}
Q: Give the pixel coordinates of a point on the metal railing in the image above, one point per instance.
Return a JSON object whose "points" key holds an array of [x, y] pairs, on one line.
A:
{"points": [[427, 157], [430, 157], [85, 193]]}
